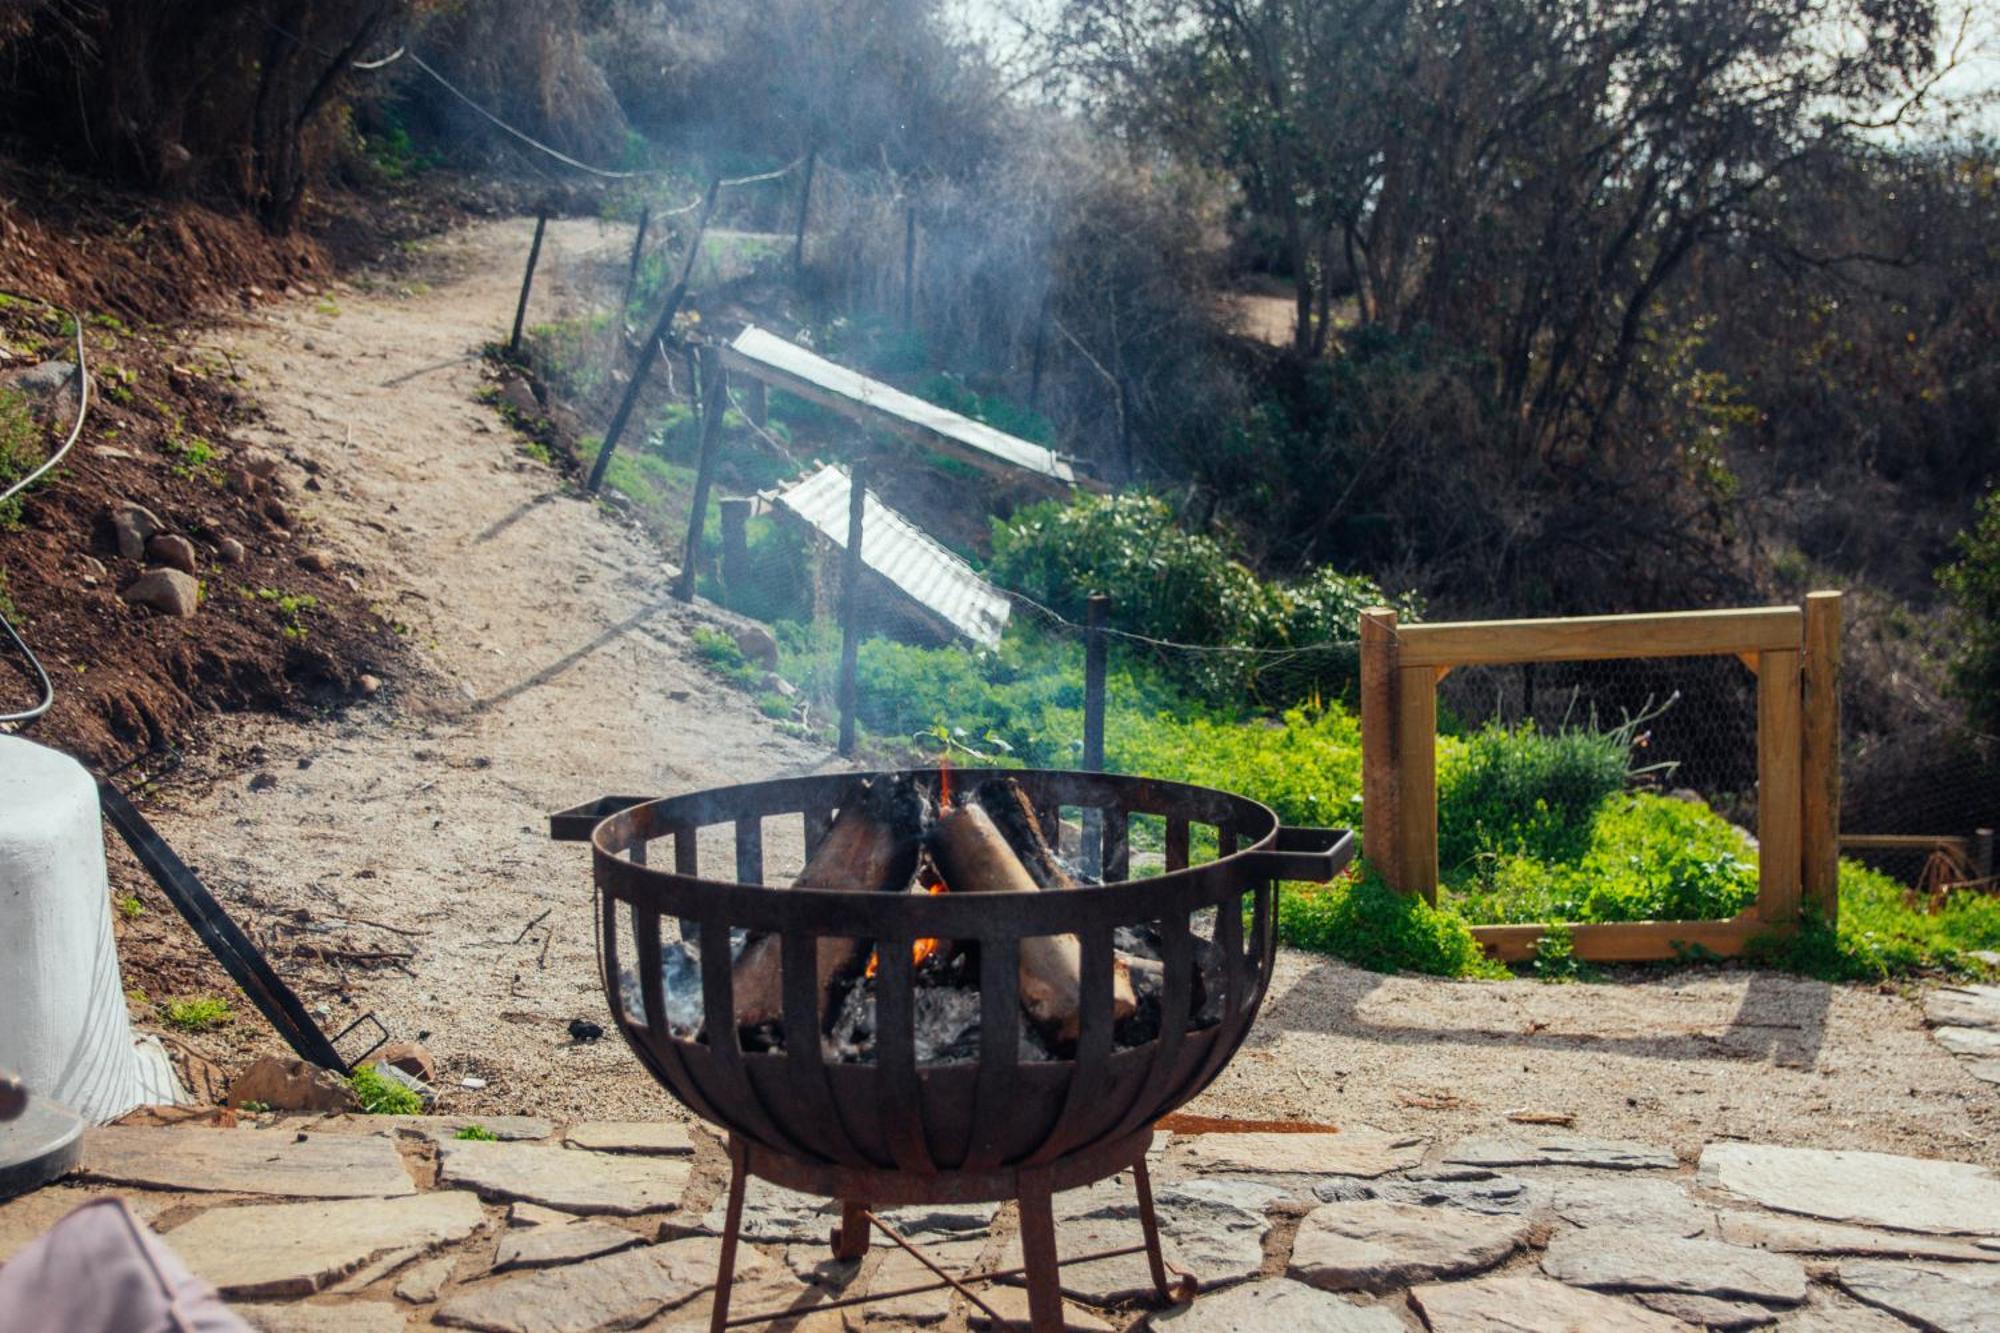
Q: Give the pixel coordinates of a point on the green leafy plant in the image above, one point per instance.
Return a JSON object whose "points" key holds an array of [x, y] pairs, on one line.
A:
{"points": [[1972, 583], [193, 458], [255, 1108], [1556, 962], [292, 609], [381, 1095], [476, 1134], [129, 906], [21, 450], [196, 1013], [1364, 921]]}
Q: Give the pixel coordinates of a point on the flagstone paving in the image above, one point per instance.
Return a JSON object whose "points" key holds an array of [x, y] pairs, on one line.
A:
{"points": [[312, 1228]]}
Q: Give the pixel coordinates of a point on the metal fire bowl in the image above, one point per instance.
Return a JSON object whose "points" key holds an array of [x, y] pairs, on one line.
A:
{"points": [[977, 1120]]}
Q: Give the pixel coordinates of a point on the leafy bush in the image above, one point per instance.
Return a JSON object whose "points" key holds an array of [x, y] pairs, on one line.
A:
{"points": [[1972, 582], [196, 1013], [380, 1095], [1364, 921], [1306, 766], [1880, 935], [1525, 792]]}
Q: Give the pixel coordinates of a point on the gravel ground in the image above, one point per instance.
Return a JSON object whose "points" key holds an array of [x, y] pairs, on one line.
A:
{"points": [[558, 669]]}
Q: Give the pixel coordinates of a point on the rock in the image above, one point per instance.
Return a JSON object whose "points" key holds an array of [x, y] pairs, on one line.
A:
{"points": [[277, 514], [1531, 1305], [1358, 1151], [230, 551], [617, 1291], [294, 1249], [1562, 1150], [420, 1286], [134, 525], [1873, 1189], [173, 552], [259, 463], [1963, 1007], [1011, 1304], [758, 646], [1623, 1259], [1275, 1303], [1706, 1311], [25, 1218], [319, 562], [1622, 1201], [541, 1246], [760, 1290], [1377, 1245], [665, 1137], [287, 1083], [1976, 1043], [410, 1057], [1940, 1297], [577, 1182], [534, 1215], [368, 684], [352, 1317], [1798, 1236], [516, 394], [1828, 1312], [1499, 1194], [51, 387], [898, 1268], [941, 1219], [773, 1213], [1214, 1229], [247, 1161], [165, 590]]}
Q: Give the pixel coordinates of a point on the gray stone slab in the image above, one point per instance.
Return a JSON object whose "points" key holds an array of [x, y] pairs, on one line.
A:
{"points": [[898, 1268], [1276, 1304], [1963, 1007], [954, 1219], [1011, 1304], [617, 1291], [1492, 1194], [668, 1138], [1642, 1202], [295, 1249], [1707, 1311], [1532, 1305], [1624, 1259], [1830, 1310], [565, 1178], [1378, 1245], [1972, 1043], [1562, 1150], [1873, 1189], [507, 1128], [1796, 1235], [1944, 1298], [421, 1285], [25, 1218], [247, 1161], [1213, 1228], [1357, 1151], [350, 1317], [541, 1246]]}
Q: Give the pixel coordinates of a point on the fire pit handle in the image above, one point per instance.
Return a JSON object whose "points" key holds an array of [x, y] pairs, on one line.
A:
{"points": [[1315, 855], [578, 822]]}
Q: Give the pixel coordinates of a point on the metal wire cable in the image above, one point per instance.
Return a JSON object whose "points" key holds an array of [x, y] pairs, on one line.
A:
{"points": [[75, 432]]}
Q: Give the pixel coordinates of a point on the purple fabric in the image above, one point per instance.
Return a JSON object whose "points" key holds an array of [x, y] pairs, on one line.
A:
{"points": [[101, 1270]]}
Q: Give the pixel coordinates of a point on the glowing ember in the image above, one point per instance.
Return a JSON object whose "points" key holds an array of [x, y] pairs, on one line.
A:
{"points": [[920, 949]]}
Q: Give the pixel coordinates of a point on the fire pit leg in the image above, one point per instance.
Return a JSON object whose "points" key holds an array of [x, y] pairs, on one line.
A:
{"points": [[732, 1223], [1038, 1253], [1149, 1222], [850, 1238]]}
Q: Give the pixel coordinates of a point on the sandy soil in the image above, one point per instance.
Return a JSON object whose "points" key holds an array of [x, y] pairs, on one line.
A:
{"points": [[559, 670]]}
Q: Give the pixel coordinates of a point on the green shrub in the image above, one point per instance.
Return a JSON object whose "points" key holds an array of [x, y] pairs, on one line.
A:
{"points": [[1370, 925], [1972, 582], [1881, 935], [476, 1134], [380, 1095], [196, 1013], [1306, 766], [1525, 792], [951, 392], [21, 450]]}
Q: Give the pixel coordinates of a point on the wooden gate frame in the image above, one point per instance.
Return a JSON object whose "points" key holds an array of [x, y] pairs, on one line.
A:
{"points": [[1796, 655]]}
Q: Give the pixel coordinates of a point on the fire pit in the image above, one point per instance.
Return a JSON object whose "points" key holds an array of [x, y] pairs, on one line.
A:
{"points": [[891, 1045]]}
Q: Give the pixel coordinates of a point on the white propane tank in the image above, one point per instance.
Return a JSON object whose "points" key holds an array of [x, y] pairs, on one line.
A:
{"points": [[63, 1026]]}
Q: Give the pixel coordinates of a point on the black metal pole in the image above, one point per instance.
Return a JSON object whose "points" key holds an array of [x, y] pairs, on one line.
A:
{"points": [[715, 383], [850, 605], [805, 206], [632, 270], [1093, 682], [528, 280], [651, 347]]}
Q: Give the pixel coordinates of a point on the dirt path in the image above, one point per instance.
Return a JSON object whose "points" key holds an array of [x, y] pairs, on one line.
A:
{"points": [[558, 670]]}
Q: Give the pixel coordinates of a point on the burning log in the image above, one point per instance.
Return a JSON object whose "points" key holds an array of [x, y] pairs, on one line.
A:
{"points": [[1014, 815], [975, 857], [874, 843]]}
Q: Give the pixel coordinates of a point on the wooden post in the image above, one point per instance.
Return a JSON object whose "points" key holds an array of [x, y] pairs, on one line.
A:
{"points": [[1819, 758], [651, 347], [632, 269], [909, 267], [1780, 802], [528, 280], [735, 548], [1416, 775], [1096, 610], [850, 605], [715, 386], [757, 403], [805, 205], [1378, 743]]}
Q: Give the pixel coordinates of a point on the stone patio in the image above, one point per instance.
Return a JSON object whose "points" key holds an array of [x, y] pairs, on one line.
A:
{"points": [[341, 1224]]}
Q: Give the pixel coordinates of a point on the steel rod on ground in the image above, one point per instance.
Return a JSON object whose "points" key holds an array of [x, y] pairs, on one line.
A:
{"points": [[528, 282], [850, 604], [715, 395], [650, 348]]}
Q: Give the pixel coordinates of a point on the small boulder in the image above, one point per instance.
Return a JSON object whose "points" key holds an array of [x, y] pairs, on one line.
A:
{"points": [[410, 1057], [368, 684], [135, 525], [230, 551], [757, 645], [50, 386], [319, 562], [287, 1083], [166, 590], [173, 552], [277, 513], [516, 394], [258, 463]]}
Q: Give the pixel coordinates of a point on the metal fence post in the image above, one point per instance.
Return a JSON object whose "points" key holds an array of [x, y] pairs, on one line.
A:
{"points": [[632, 269], [528, 280], [1097, 609], [850, 604], [805, 205], [715, 382]]}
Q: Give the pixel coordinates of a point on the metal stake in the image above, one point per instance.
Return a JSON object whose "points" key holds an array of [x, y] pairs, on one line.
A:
{"points": [[850, 605], [528, 280]]}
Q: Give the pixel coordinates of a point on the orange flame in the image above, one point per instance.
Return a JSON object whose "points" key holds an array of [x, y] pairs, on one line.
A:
{"points": [[944, 783], [919, 949]]}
